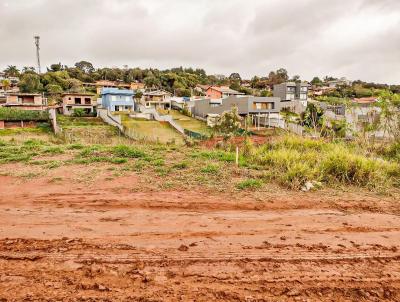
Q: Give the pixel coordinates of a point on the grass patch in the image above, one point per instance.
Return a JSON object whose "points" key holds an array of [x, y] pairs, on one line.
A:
{"points": [[127, 151], [210, 169], [181, 166], [249, 184], [294, 160]]}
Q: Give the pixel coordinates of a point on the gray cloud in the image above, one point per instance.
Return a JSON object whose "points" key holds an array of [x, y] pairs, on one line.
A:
{"points": [[358, 39]]}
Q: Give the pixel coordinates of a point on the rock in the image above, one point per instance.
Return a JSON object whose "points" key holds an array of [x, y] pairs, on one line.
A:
{"points": [[307, 186], [293, 293], [101, 287], [183, 248]]}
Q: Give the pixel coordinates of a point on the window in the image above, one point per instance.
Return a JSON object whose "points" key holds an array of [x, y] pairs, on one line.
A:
{"points": [[303, 89], [303, 96], [263, 106], [88, 101], [128, 98], [113, 98], [78, 101], [69, 98]]}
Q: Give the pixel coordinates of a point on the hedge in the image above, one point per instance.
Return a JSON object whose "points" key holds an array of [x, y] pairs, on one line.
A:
{"points": [[12, 114]]}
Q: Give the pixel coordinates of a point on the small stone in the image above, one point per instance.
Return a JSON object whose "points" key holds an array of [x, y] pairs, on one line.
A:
{"points": [[183, 248]]}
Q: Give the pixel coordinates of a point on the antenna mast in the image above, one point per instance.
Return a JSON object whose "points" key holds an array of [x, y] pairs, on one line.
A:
{"points": [[37, 43]]}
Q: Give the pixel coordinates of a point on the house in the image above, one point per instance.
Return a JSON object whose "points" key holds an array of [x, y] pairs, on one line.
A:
{"points": [[115, 99], [25, 101], [137, 86], [361, 114], [99, 85], [294, 95], [158, 99], [261, 110], [84, 101], [12, 83], [339, 82], [219, 92], [202, 88]]}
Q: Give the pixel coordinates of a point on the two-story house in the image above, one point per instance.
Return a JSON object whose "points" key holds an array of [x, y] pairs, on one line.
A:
{"points": [[115, 99], [158, 99], [25, 101], [263, 111], [293, 95], [84, 101], [220, 92]]}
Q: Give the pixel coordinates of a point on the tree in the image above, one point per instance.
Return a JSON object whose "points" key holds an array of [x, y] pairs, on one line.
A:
{"points": [[296, 79], [316, 81], [229, 123], [6, 84], [152, 82], [75, 86], [55, 67], [235, 76], [30, 69], [85, 66], [138, 94], [278, 77], [313, 117], [54, 89], [390, 114], [30, 83], [11, 71], [235, 85]]}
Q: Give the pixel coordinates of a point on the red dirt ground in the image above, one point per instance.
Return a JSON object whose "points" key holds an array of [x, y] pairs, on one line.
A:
{"points": [[67, 241]]}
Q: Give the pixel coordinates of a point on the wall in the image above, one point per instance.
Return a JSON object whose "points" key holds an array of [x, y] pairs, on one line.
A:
{"points": [[213, 94]]}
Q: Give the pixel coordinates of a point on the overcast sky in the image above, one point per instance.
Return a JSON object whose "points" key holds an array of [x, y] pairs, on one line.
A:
{"points": [[358, 39]]}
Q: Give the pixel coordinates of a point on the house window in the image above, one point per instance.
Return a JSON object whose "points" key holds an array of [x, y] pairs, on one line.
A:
{"points": [[69, 98], [113, 98], [88, 101], [78, 101]]}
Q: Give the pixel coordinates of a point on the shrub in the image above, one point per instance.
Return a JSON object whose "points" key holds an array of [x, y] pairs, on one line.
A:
{"points": [[181, 165], [294, 161], [12, 114], [127, 151], [78, 112], [210, 169], [249, 184]]}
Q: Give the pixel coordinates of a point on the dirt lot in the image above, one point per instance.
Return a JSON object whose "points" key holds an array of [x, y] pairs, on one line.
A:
{"points": [[108, 239]]}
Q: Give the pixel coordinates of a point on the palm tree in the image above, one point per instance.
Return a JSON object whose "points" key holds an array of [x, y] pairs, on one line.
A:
{"points": [[6, 84], [11, 71]]}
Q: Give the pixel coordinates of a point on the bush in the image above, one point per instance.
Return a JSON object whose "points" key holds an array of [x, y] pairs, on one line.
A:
{"points": [[78, 112], [293, 161], [210, 169], [181, 165], [12, 114], [126, 151], [249, 184]]}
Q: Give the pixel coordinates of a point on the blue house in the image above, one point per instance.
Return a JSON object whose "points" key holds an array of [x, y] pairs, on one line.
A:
{"points": [[115, 99]]}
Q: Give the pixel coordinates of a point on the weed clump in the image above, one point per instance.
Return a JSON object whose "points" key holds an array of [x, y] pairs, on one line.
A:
{"points": [[210, 169], [295, 161], [127, 151], [249, 184]]}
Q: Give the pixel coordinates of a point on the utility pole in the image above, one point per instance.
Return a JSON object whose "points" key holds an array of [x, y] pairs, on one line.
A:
{"points": [[37, 43]]}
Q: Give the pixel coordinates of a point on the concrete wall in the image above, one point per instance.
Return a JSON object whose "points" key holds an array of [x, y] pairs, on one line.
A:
{"points": [[31, 100], [70, 99], [244, 104]]}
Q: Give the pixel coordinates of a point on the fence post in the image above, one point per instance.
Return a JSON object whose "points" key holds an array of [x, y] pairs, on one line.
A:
{"points": [[237, 156]]}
